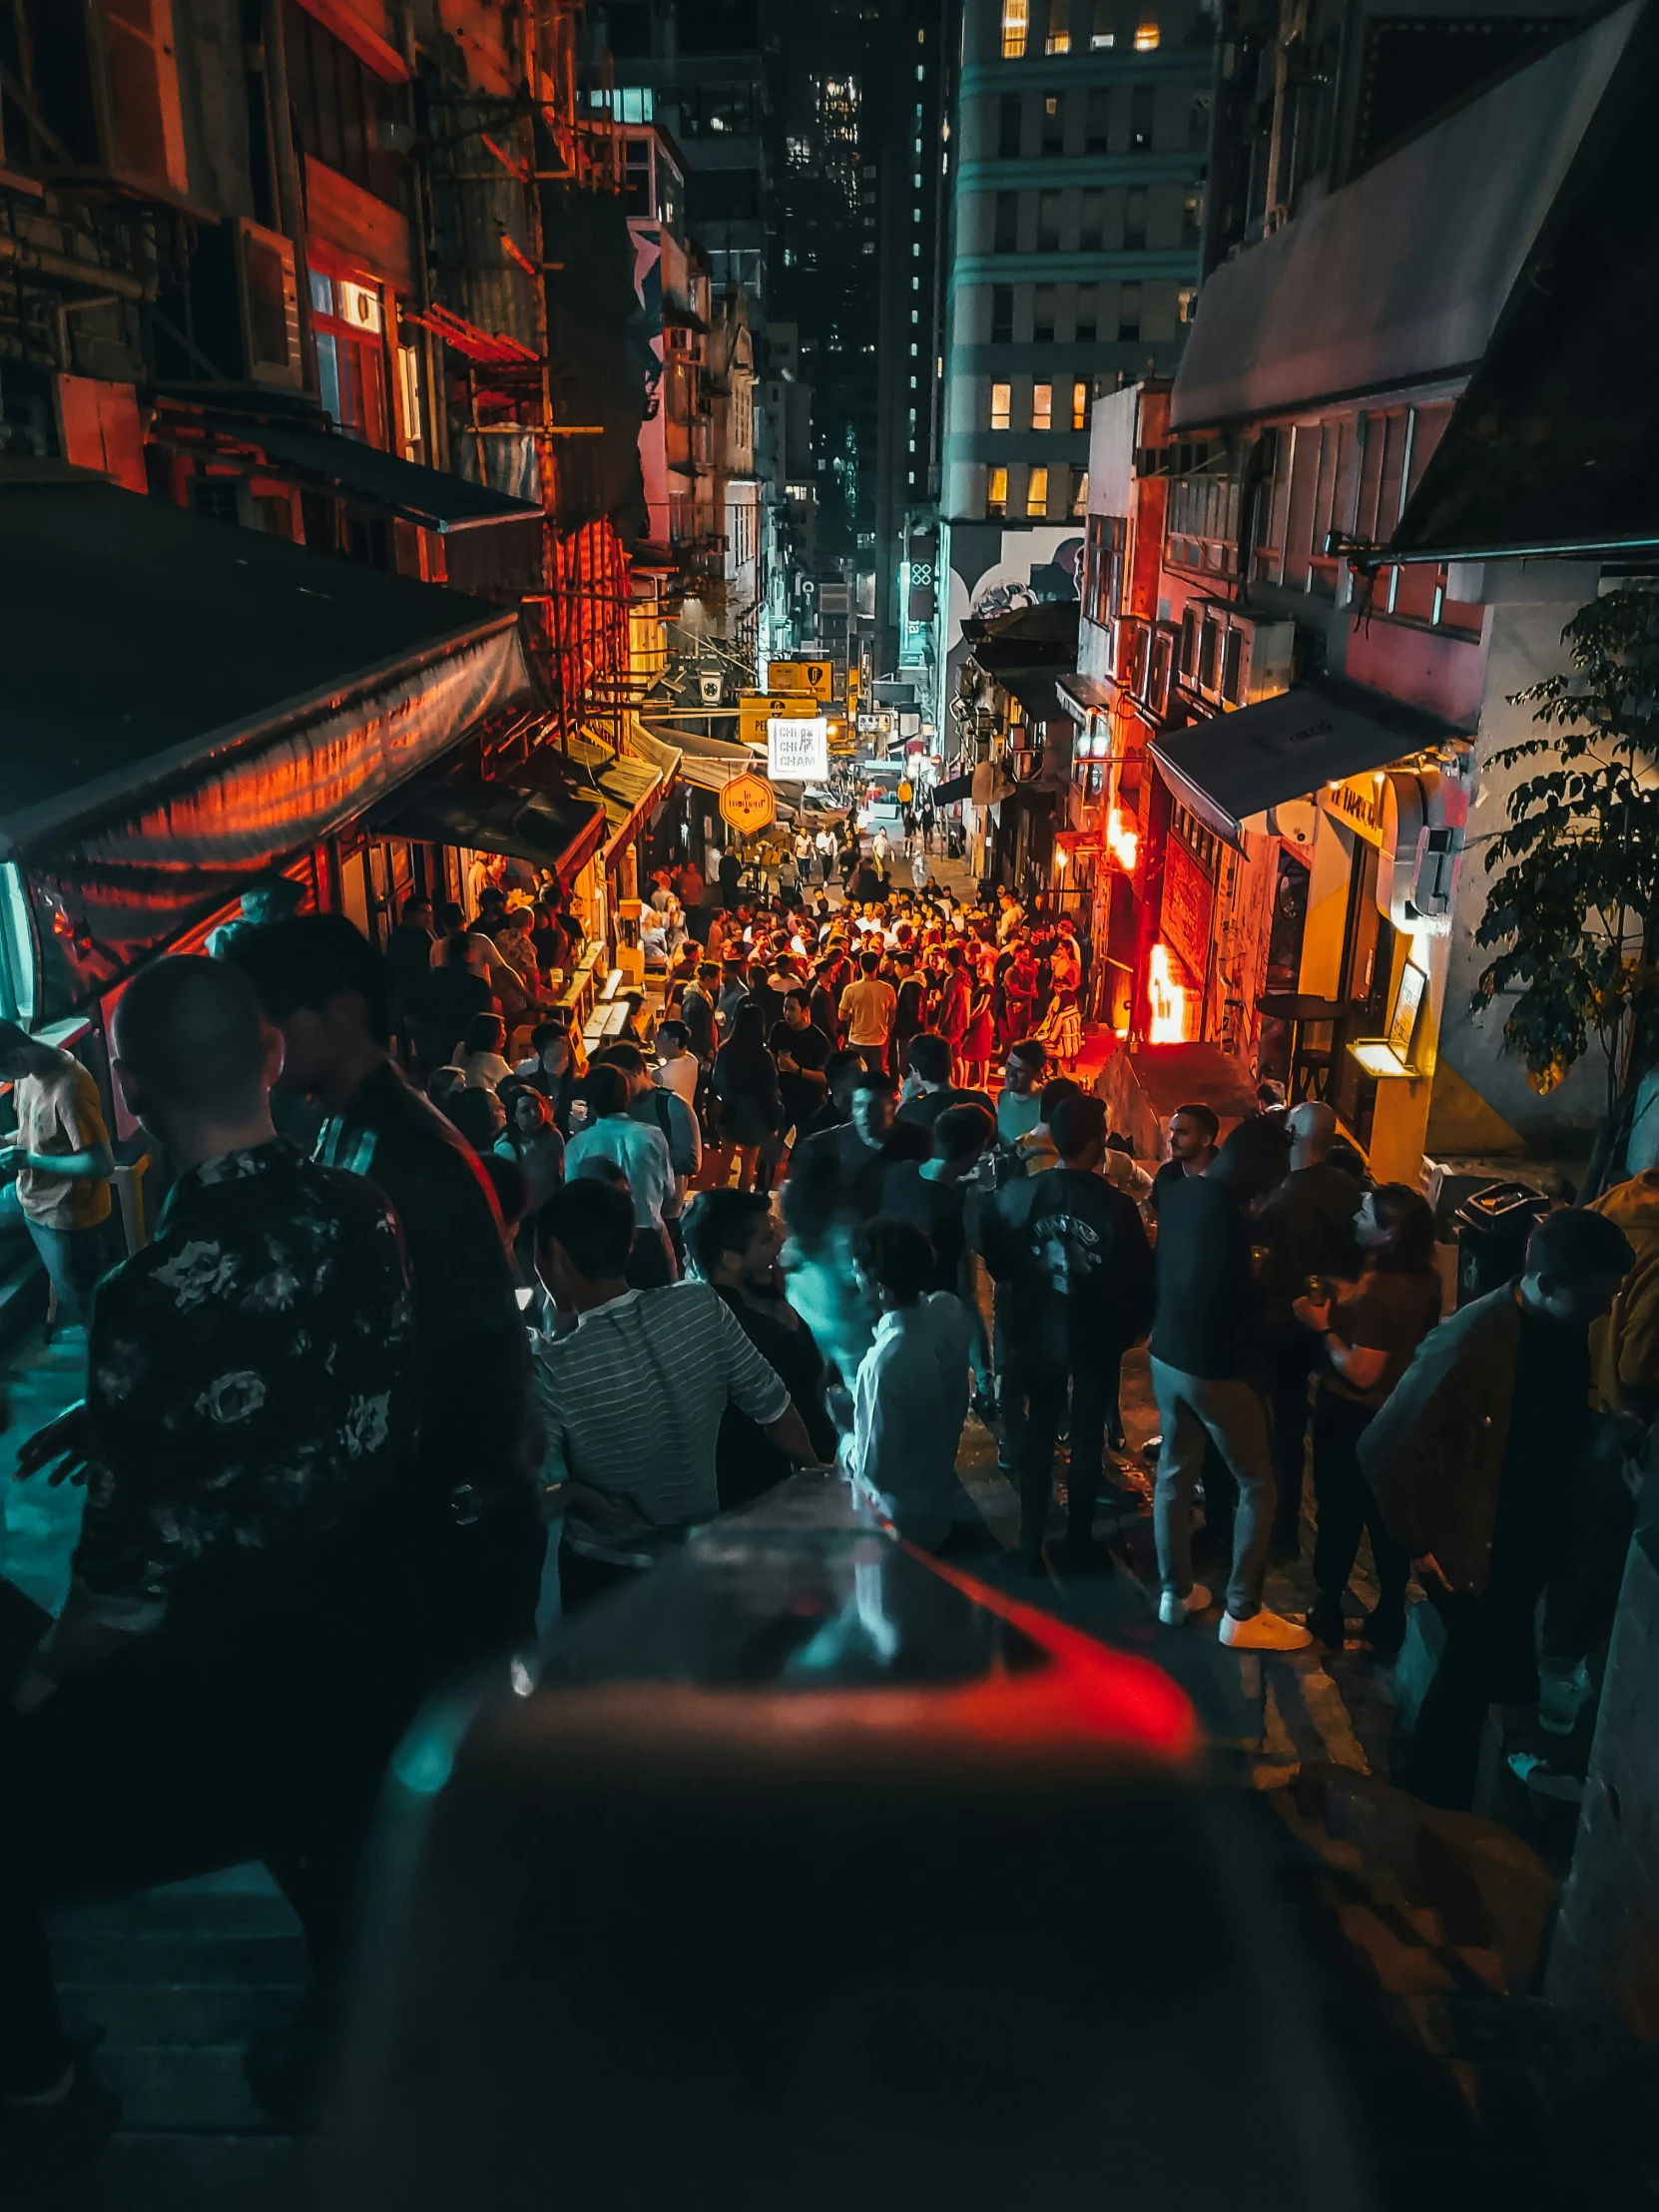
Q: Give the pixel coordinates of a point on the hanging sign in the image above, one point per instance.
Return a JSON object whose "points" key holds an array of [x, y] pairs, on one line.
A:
{"points": [[757, 709], [797, 749], [816, 676], [747, 804]]}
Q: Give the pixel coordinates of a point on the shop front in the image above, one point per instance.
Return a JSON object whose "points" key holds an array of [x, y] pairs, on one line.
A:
{"points": [[1309, 880]]}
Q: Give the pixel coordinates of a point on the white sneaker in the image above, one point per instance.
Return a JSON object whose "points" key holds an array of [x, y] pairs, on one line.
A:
{"points": [[1264, 1631], [1174, 1609]]}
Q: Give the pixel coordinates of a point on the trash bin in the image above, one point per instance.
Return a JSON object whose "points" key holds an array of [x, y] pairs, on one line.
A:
{"points": [[1492, 1225]]}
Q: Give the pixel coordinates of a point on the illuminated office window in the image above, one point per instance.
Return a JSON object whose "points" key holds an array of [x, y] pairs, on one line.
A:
{"points": [[1080, 405], [1059, 27], [1036, 495], [1043, 407], [996, 495], [1016, 17], [1001, 405]]}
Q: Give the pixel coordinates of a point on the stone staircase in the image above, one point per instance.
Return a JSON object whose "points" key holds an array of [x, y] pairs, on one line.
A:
{"points": [[177, 1982]]}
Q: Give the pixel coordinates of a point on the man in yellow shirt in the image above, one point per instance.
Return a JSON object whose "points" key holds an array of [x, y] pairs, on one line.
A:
{"points": [[60, 1155]]}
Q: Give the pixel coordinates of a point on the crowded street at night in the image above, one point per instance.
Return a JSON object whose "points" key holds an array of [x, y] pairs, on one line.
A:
{"points": [[829, 1105]]}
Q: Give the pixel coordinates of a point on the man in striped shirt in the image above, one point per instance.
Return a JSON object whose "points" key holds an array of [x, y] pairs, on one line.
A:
{"points": [[631, 1395]]}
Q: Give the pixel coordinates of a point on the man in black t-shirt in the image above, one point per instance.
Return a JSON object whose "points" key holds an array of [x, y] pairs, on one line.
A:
{"points": [[1193, 1131], [802, 1052], [930, 1063], [1071, 1257], [932, 1193]]}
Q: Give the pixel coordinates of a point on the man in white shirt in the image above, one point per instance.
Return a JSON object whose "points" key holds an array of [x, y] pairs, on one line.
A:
{"points": [[630, 1395], [866, 1007], [677, 1068], [911, 1397], [640, 1152]]}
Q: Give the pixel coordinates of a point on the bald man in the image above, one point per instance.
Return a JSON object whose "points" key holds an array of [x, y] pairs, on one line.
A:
{"points": [[1309, 1225], [231, 1664]]}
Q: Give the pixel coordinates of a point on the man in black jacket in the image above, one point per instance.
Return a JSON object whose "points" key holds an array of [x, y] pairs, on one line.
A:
{"points": [[1204, 1352], [1072, 1257], [929, 1063], [482, 1538], [1469, 1456], [1309, 1225]]}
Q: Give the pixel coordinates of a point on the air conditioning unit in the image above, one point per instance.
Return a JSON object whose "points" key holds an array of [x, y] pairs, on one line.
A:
{"points": [[244, 303], [1242, 658]]}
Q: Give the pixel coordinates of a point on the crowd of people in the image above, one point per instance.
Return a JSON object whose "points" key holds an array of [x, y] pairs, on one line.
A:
{"points": [[431, 1280]]}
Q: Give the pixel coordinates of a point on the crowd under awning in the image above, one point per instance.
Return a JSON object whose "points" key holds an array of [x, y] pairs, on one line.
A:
{"points": [[186, 705], [1233, 767]]}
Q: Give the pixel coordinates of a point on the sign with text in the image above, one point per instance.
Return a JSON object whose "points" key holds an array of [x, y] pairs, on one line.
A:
{"points": [[747, 804], [1357, 802], [757, 709], [816, 677], [797, 749]]}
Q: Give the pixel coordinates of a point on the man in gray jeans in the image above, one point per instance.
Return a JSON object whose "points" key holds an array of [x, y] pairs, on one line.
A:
{"points": [[1206, 1310]]}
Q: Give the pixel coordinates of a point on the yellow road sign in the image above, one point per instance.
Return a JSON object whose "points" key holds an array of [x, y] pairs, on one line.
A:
{"points": [[757, 709], [816, 676]]}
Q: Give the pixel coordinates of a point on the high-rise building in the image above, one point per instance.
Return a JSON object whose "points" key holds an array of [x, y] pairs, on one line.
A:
{"points": [[1075, 253], [696, 67], [916, 83]]}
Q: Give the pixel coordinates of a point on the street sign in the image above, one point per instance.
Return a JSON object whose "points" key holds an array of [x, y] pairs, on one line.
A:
{"points": [[816, 677], [797, 749], [757, 709], [747, 804]]}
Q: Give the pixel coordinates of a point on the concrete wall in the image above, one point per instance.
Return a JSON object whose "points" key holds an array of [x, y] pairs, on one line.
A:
{"points": [[1524, 643], [1606, 1947]]}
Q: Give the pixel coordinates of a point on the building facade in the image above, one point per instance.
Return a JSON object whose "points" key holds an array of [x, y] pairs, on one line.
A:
{"points": [[1081, 136]]}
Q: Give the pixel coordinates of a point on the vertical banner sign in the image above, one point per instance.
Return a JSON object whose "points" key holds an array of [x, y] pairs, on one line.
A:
{"points": [[797, 752]]}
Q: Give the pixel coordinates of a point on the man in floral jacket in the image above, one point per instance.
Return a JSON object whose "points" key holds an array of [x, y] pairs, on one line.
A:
{"points": [[234, 1657]]}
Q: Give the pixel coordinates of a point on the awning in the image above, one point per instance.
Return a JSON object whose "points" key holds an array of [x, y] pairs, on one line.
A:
{"points": [[1082, 695], [1231, 767], [186, 704], [1034, 688], [626, 789], [1401, 275], [655, 750], [959, 786], [550, 827], [329, 461]]}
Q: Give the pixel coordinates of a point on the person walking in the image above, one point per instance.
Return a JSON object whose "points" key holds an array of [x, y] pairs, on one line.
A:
{"points": [[631, 1396], [867, 1011], [745, 1080], [236, 1657], [1069, 1254], [1468, 1458], [1366, 1332], [638, 1150], [1204, 1355], [910, 1393], [1308, 1228], [60, 1160], [476, 1522], [733, 1242]]}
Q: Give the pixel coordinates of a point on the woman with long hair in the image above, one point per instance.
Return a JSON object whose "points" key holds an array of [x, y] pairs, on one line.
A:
{"points": [[1369, 1331], [745, 1080]]}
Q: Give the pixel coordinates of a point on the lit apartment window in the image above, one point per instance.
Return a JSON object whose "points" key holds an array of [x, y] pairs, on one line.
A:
{"points": [[1043, 407], [1036, 493], [1080, 404], [1059, 28], [1080, 492], [996, 495], [1001, 406], [1186, 301], [1016, 17], [1146, 37], [1101, 35]]}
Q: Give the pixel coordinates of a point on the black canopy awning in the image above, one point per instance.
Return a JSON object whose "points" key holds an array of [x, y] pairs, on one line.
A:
{"points": [[1231, 767], [185, 704], [959, 786], [330, 461], [557, 830]]}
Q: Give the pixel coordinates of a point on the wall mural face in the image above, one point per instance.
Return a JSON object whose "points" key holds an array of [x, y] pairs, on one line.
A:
{"points": [[998, 571]]}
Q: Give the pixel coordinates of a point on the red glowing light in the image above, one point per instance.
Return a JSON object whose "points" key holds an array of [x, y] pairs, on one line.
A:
{"points": [[1166, 1001]]}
